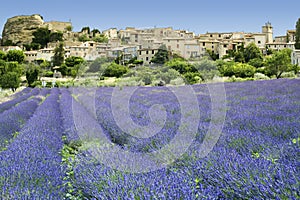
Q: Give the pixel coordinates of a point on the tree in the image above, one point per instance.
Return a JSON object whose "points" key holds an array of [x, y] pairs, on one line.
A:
{"points": [[95, 32], [15, 55], [10, 80], [162, 56], [256, 62], [69, 28], [207, 68], [14, 67], [239, 54], [32, 46], [251, 52], [97, 64], [32, 75], [55, 36], [242, 70], [73, 61], [86, 29], [279, 62], [59, 55], [10, 74], [83, 38], [2, 55], [115, 70], [188, 71], [3, 67], [212, 54], [297, 42], [100, 38], [181, 66], [41, 36]]}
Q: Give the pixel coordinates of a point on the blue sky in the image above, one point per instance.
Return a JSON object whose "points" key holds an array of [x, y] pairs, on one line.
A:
{"points": [[197, 16]]}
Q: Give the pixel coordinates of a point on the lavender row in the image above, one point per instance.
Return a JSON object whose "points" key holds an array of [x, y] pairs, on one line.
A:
{"points": [[13, 119], [31, 166], [22, 92], [66, 107], [9, 104]]}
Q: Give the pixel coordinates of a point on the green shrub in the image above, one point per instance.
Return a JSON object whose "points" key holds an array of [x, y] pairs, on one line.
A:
{"points": [[48, 73], [115, 70], [260, 76], [290, 74]]}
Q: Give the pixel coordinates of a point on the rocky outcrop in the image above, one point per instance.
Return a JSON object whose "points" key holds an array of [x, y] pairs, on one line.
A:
{"points": [[19, 29]]}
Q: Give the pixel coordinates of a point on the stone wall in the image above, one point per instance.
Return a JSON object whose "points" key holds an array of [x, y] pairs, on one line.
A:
{"points": [[58, 26]]}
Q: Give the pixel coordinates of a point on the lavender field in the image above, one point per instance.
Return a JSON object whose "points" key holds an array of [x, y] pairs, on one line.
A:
{"points": [[59, 143]]}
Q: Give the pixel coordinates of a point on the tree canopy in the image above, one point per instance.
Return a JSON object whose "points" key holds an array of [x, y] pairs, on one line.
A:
{"points": [[115, 70], [297, 42], [10, 74], [162, 56], [32, 74], [252, 52], [59, 55], [73, 61], [279, 62], [42, 36], [15, 55]]}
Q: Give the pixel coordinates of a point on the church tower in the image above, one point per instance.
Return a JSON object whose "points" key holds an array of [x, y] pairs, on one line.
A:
{"points": [[268, 30]]}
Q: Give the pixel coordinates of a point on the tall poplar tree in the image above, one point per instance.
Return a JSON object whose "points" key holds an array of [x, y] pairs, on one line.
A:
{"points": [[297, 44], [59, 55]]}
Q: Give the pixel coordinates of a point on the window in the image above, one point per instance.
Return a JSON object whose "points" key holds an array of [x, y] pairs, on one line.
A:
{"points": [[147, 58], [153, 52], [203, 44], [210, 35], [259, 42], [225, 45], [219, 35], [147, 52], [140, 52], [169, 48], [177, 46]]}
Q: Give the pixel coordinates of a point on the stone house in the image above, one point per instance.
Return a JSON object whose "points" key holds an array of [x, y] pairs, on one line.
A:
{"points": [[111, 33], [46, 54], [127, 52], [295, 57], [146, 55], [30, 56]]}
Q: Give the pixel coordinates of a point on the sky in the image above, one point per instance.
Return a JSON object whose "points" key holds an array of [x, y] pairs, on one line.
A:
{"points": [[193, 15]]}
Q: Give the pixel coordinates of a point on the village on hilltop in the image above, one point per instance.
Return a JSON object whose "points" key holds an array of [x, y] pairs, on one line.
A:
{"points": [[143, 44]]}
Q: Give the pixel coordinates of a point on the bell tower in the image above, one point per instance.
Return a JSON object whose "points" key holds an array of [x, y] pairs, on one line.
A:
{"points": [[268, 30]]}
